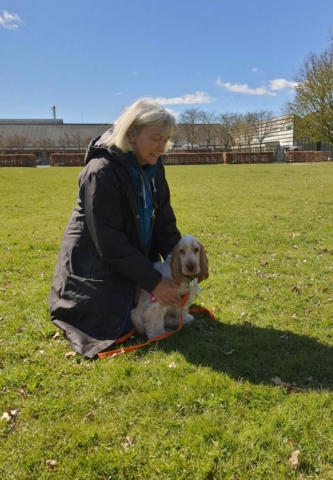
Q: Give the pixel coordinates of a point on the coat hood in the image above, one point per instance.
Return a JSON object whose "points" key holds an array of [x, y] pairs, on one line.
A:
{"points": [[97, 147]]}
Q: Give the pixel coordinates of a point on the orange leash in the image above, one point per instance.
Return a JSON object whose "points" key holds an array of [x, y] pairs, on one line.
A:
{"points": [[121, 351]]}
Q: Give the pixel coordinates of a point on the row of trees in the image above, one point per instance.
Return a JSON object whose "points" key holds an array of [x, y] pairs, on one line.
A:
{"points": [[20, 143], [310, 112], [224, 130]]}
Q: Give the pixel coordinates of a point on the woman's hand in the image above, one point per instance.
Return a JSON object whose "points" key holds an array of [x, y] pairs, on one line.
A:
{"points": [[165, 292]]}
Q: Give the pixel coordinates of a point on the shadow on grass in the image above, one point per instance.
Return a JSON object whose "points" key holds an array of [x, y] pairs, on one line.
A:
{"points": [[255, 354]]}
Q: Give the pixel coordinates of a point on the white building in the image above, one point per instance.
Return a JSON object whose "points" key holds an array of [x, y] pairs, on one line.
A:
{"points": [[279, 133]]}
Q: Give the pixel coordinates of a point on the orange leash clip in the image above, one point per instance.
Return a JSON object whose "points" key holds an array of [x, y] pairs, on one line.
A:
{"points": [[121, 351]]}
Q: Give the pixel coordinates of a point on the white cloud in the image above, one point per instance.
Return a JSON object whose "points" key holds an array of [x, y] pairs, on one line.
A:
{"points": [[257, 71], [244, 88], [282, 84], [9, 20], [187, 99], [270, 90], [135, 73]]}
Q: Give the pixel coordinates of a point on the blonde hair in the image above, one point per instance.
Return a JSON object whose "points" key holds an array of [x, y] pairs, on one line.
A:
{"points": [[142, 113]]}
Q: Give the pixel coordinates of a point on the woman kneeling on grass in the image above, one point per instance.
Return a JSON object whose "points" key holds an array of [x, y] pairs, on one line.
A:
{"points": [[122, 223]]}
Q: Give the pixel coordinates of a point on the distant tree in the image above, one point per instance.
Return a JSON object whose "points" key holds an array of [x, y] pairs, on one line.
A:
{"points": [[47, 145], [78, 140], [312, 107], [22, 142], [208, 128], [2, 143], [36, 146], [261, 121], [188, 125], [18, 143], [174, 139], [65, 141], [224, 129], [242, 131], [42, 147], [248, 130]]}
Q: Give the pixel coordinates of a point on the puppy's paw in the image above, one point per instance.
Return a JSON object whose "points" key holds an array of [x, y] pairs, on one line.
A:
{"points": [[188, 318]]}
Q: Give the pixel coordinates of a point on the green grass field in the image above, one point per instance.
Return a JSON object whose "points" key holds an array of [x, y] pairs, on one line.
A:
{"points": [[201, 404]]}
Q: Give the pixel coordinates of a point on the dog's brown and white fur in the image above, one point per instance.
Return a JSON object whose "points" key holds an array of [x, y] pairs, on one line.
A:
{"points": [[188, 266]]}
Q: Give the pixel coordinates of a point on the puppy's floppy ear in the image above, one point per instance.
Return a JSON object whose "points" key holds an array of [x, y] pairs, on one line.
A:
{"points": [[175, 268], [203, 265]]}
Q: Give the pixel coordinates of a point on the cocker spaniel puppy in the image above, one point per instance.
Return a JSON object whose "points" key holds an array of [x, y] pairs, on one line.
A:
{"points": [[188, 266]]}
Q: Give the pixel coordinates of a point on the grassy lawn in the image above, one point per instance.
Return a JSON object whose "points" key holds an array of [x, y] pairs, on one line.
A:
{"points": [[202, 404]]}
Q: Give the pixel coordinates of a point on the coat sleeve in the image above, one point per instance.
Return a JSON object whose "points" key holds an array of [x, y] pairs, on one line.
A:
{"points": [[167, 232], [102, 202]]}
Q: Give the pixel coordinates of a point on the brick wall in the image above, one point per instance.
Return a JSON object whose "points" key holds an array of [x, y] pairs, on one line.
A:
{"points": [[192, 158], [219, 157], [17, 160], [248, 157], [77, 159], [67, 159], [301, 157]]}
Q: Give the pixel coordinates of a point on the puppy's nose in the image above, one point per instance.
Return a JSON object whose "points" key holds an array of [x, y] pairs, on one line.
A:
{"points": [[190, 267]]}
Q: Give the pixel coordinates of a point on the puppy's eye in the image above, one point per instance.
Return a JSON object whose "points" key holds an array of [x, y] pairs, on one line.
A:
{"points": [[182, 251], [196, 250]]}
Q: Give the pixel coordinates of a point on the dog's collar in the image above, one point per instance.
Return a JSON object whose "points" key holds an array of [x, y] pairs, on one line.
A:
{"points": [[189, 285], [151, 298]]}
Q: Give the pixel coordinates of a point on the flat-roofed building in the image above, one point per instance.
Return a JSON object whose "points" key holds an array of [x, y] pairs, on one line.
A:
{"points": [[43, 137]]}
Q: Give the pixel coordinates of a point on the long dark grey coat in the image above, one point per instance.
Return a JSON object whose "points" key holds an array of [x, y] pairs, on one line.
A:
{"points": [[101, 264]]}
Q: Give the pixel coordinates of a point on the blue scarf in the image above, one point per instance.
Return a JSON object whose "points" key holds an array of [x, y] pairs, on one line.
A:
{"points": [[145, 205]]}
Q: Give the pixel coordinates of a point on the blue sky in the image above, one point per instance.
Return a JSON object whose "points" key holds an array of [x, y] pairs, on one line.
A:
{"points": [[92, 58]]}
